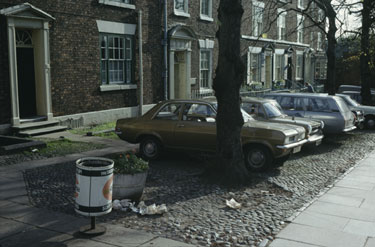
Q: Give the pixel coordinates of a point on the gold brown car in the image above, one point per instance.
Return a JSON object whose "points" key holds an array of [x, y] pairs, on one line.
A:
{"points": [[190, 125]]}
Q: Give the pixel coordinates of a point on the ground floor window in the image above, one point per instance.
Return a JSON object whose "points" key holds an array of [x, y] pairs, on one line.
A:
{"points": [[299, 66], [254, 67], [320, 69], [279, 66], [116, 58], [205, 69]]}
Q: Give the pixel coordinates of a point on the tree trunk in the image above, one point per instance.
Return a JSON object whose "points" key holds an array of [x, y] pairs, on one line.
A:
{"points": [[229, 77], [331, 50], [365, 53]]}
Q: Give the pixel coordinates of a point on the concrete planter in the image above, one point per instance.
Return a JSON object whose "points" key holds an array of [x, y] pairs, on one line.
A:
{"points": [[127, 186]]}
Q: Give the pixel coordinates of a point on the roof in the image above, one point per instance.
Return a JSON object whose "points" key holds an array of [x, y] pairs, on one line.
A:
{"points": [[320, 95], [18, 9]]}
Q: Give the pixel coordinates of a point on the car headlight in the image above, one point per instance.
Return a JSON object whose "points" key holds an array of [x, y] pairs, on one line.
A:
{"points": [[290, 139]]}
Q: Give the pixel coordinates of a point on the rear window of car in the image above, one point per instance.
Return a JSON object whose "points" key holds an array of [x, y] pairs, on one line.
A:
{"points": [[343, 107]]}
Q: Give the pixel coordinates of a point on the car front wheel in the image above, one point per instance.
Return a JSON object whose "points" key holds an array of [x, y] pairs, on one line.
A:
{"points": [[258, 158], [150, 148], [370, 122]]}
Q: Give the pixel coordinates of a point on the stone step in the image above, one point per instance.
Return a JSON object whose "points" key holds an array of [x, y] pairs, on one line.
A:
{"points": [[34, 125], [41, 131]]}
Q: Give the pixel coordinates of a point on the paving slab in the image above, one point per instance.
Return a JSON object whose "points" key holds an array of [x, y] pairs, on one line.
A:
{"points": [[342, 200], [121, 236], [370, 242], [165, 243], [356, 184], [10, 227], [15, 210], [363, 228], [321, 237], [11, 188], [288, 243], [321, 221], [342, 211], [350, 192]]}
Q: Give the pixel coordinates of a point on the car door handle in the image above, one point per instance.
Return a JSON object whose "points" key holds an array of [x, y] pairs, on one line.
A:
{"points": [[180, 125]]}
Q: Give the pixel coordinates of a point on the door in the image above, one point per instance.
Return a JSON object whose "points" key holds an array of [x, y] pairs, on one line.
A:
{"points": [[180, 75], [26, 82], [197, 130], [268, 71]]}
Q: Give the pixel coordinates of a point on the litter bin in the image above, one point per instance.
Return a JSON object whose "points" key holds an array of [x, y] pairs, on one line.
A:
{"points": [[94, 180]]}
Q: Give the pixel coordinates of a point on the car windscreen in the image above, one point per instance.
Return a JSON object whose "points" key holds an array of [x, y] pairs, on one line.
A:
{"points": [[271, 110]]}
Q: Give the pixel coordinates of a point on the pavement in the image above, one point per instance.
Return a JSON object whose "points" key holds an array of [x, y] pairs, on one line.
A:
{"points": [[342, 216], [21, 224]]}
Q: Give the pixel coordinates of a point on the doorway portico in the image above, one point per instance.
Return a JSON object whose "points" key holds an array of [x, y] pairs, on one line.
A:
{"points": [[29, 62]]}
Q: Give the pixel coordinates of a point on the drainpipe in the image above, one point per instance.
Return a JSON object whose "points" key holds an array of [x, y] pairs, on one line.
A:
{"points": [[165, 48], [140, 63]]}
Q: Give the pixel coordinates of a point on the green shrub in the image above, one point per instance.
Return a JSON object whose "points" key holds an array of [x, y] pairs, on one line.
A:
{"points": [[129, 163]]}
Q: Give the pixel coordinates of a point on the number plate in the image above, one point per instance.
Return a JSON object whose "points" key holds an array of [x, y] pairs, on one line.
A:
{"points": [[318, 142], [296, 149]]}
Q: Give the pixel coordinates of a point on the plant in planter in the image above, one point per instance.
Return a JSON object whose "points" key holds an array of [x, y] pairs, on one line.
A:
{"points": [[130, 176]]}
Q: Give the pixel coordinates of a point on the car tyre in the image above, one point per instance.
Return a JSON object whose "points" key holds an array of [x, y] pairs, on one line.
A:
{"points": [[370, 122], [258, 158], [150, 148]]}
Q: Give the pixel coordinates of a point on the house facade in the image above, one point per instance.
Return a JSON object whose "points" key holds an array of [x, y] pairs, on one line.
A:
{"points": [[94, 61]]}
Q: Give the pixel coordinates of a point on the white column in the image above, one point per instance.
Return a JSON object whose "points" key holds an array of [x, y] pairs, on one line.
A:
{"points": [[188, 74], [171, 74], [13, 72], [47, 72]]}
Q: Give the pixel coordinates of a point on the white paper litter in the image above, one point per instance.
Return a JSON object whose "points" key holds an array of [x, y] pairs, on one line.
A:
{"points": [[141, 209], [233, 204]]}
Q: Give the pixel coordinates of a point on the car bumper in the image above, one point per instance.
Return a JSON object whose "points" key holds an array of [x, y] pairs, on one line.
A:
{"points": [[349, 129], [292, 145], [315, 138]]}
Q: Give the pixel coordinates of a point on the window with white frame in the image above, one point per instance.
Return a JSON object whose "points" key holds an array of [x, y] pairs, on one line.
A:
{"points": [[206, 9], [181, 7], [319, 41], [299, 66], [279, 67], [320, 15], [301, 4], [281, 20], [257, 18], [129, 4], [116, 58], [300, 28], [320, 69], [205, 69], [254, 67]]}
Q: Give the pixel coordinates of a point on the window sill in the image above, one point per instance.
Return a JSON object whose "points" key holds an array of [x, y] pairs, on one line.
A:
{"points": [[117, 4], [206, 18], [116, 87], [183, 14], [205, 90]]}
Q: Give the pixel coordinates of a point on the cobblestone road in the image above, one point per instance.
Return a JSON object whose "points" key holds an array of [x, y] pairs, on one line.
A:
{"points": [[197, 212]]}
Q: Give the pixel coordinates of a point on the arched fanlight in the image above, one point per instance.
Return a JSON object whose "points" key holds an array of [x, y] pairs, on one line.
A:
{"points": [[23, 38]]}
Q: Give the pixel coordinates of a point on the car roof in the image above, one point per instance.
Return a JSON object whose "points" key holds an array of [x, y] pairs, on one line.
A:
{"points": [[204, 100], [319, 95], [256, 99]]}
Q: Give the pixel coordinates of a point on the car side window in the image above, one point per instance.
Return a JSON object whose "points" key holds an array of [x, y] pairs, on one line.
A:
{"points": [[287, 103], [169, 112], [318, 105], [250, 108], [299, 104], [198, 113]]}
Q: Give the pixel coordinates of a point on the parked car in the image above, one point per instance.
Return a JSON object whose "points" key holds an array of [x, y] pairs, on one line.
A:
{"points": [[354, 88], [366, 114], [332, 110], [191, 125], [356, 95], [269, 110]]}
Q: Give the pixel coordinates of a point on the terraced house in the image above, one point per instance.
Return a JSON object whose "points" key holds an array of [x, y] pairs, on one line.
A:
{"points": [[82, 62]]}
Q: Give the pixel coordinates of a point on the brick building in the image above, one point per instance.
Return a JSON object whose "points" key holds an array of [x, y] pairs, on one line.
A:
{"points": [[80, 60]]}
